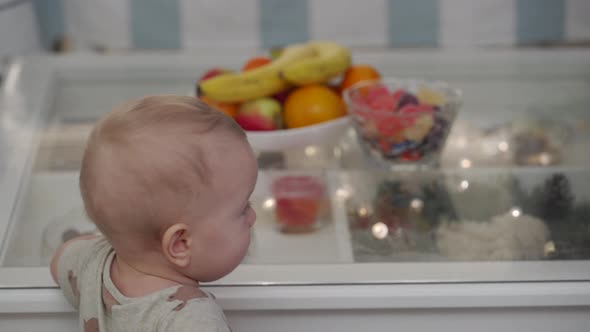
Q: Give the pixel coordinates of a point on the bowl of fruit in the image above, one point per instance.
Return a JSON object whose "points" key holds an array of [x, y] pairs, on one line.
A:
{"points": [[286, 99], [402, 121]]}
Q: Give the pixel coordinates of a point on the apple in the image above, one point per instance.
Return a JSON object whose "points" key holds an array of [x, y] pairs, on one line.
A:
{"points": [[213, 72], [260, 114], [210, 74]]}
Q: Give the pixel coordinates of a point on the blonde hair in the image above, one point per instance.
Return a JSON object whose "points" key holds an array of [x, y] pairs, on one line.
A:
{"points": [[145, 164]]}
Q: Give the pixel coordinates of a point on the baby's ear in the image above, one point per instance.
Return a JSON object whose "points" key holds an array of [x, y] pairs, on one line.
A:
{"points": [[176, 245]]}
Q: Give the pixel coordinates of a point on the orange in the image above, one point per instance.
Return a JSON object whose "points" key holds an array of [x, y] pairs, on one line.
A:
{"points": [[358, 73], [229, 109], [256, 62], [312, 104]]}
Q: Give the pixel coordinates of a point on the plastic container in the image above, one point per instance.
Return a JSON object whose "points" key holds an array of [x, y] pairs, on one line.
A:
{"points": [[298, 202]]}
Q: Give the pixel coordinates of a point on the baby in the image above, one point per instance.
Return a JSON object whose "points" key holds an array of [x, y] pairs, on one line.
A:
{"points": [[167, 181]]}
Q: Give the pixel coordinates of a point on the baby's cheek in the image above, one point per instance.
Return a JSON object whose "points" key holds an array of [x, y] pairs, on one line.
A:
{"points": [[244, 244], [251, 218]]}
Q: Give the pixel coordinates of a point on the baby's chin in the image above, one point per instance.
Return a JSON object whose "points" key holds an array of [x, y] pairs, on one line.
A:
{"points": [[221, 271], [214, 276]]}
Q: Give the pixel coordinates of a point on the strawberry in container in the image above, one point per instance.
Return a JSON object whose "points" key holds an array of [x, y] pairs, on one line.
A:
{"points": [[299, 202]]}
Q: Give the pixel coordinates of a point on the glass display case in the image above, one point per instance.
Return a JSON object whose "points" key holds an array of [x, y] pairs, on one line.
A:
{"points": [[509, 202]]}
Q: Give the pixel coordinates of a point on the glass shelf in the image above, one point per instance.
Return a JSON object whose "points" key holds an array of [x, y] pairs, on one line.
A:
{"points": [[512, 186]]}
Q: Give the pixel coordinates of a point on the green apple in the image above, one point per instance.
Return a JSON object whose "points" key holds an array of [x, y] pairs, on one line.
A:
{"points": [[260, 114]]}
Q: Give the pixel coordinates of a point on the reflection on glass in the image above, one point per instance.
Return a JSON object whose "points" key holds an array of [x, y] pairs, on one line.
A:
{"points": [[337, 152], [505, 216], [311, 151], [515, 212], [545, 159], [461, 142], [343, 192], [12, 76], [549, 249], [409, 213], [269, 203], [465, 163], [503, 146], [417, 204], [363, 212], [464, 185], [380, 230]]}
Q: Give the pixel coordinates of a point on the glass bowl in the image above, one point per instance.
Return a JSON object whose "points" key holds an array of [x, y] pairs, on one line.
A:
{"points": [[402, 121]]}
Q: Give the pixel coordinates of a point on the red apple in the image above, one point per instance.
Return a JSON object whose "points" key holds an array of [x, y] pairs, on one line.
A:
{"points": [[210, 74], [260, 114], [213, 72]]}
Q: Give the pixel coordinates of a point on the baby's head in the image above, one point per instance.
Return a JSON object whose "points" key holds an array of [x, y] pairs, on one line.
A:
{"points": [[167, 180]]}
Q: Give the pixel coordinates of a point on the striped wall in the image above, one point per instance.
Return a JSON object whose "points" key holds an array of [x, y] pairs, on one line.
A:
{"points": [[18, 28], [195, 24]]}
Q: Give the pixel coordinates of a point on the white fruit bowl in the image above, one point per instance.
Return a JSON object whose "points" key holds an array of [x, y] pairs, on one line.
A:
{"points": [[298, 137]]}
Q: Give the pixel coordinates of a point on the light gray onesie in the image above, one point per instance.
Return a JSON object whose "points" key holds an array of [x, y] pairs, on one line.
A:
{"points": [[84, 276]]}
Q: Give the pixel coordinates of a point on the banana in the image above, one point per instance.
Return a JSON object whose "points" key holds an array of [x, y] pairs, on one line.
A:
{"points": [[259, 82], [330, 59]]}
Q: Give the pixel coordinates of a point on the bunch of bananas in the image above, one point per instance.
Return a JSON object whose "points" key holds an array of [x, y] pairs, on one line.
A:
{"points": [[298, 64]]}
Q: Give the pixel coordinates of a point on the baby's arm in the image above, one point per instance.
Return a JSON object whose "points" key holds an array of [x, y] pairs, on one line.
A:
{"points": [[59, 252], [71, 262]]}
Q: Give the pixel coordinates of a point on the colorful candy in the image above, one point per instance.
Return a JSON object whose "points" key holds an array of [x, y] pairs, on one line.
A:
{"points": [[407, 99], [399, 125], [431, 97]]}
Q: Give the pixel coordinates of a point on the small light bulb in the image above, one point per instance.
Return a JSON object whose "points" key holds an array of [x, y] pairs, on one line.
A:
{"points": [[515, 212], [549, 248], [269, 203], [311, 151], [416, 204], [343, 193], [466, 163], [464, 185], [363, 212], [503, 146], [380, 230], [545, 159]]}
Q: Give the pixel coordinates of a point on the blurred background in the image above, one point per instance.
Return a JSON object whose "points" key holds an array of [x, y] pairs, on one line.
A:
{"points": [[28, 26], [517, 149]]}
